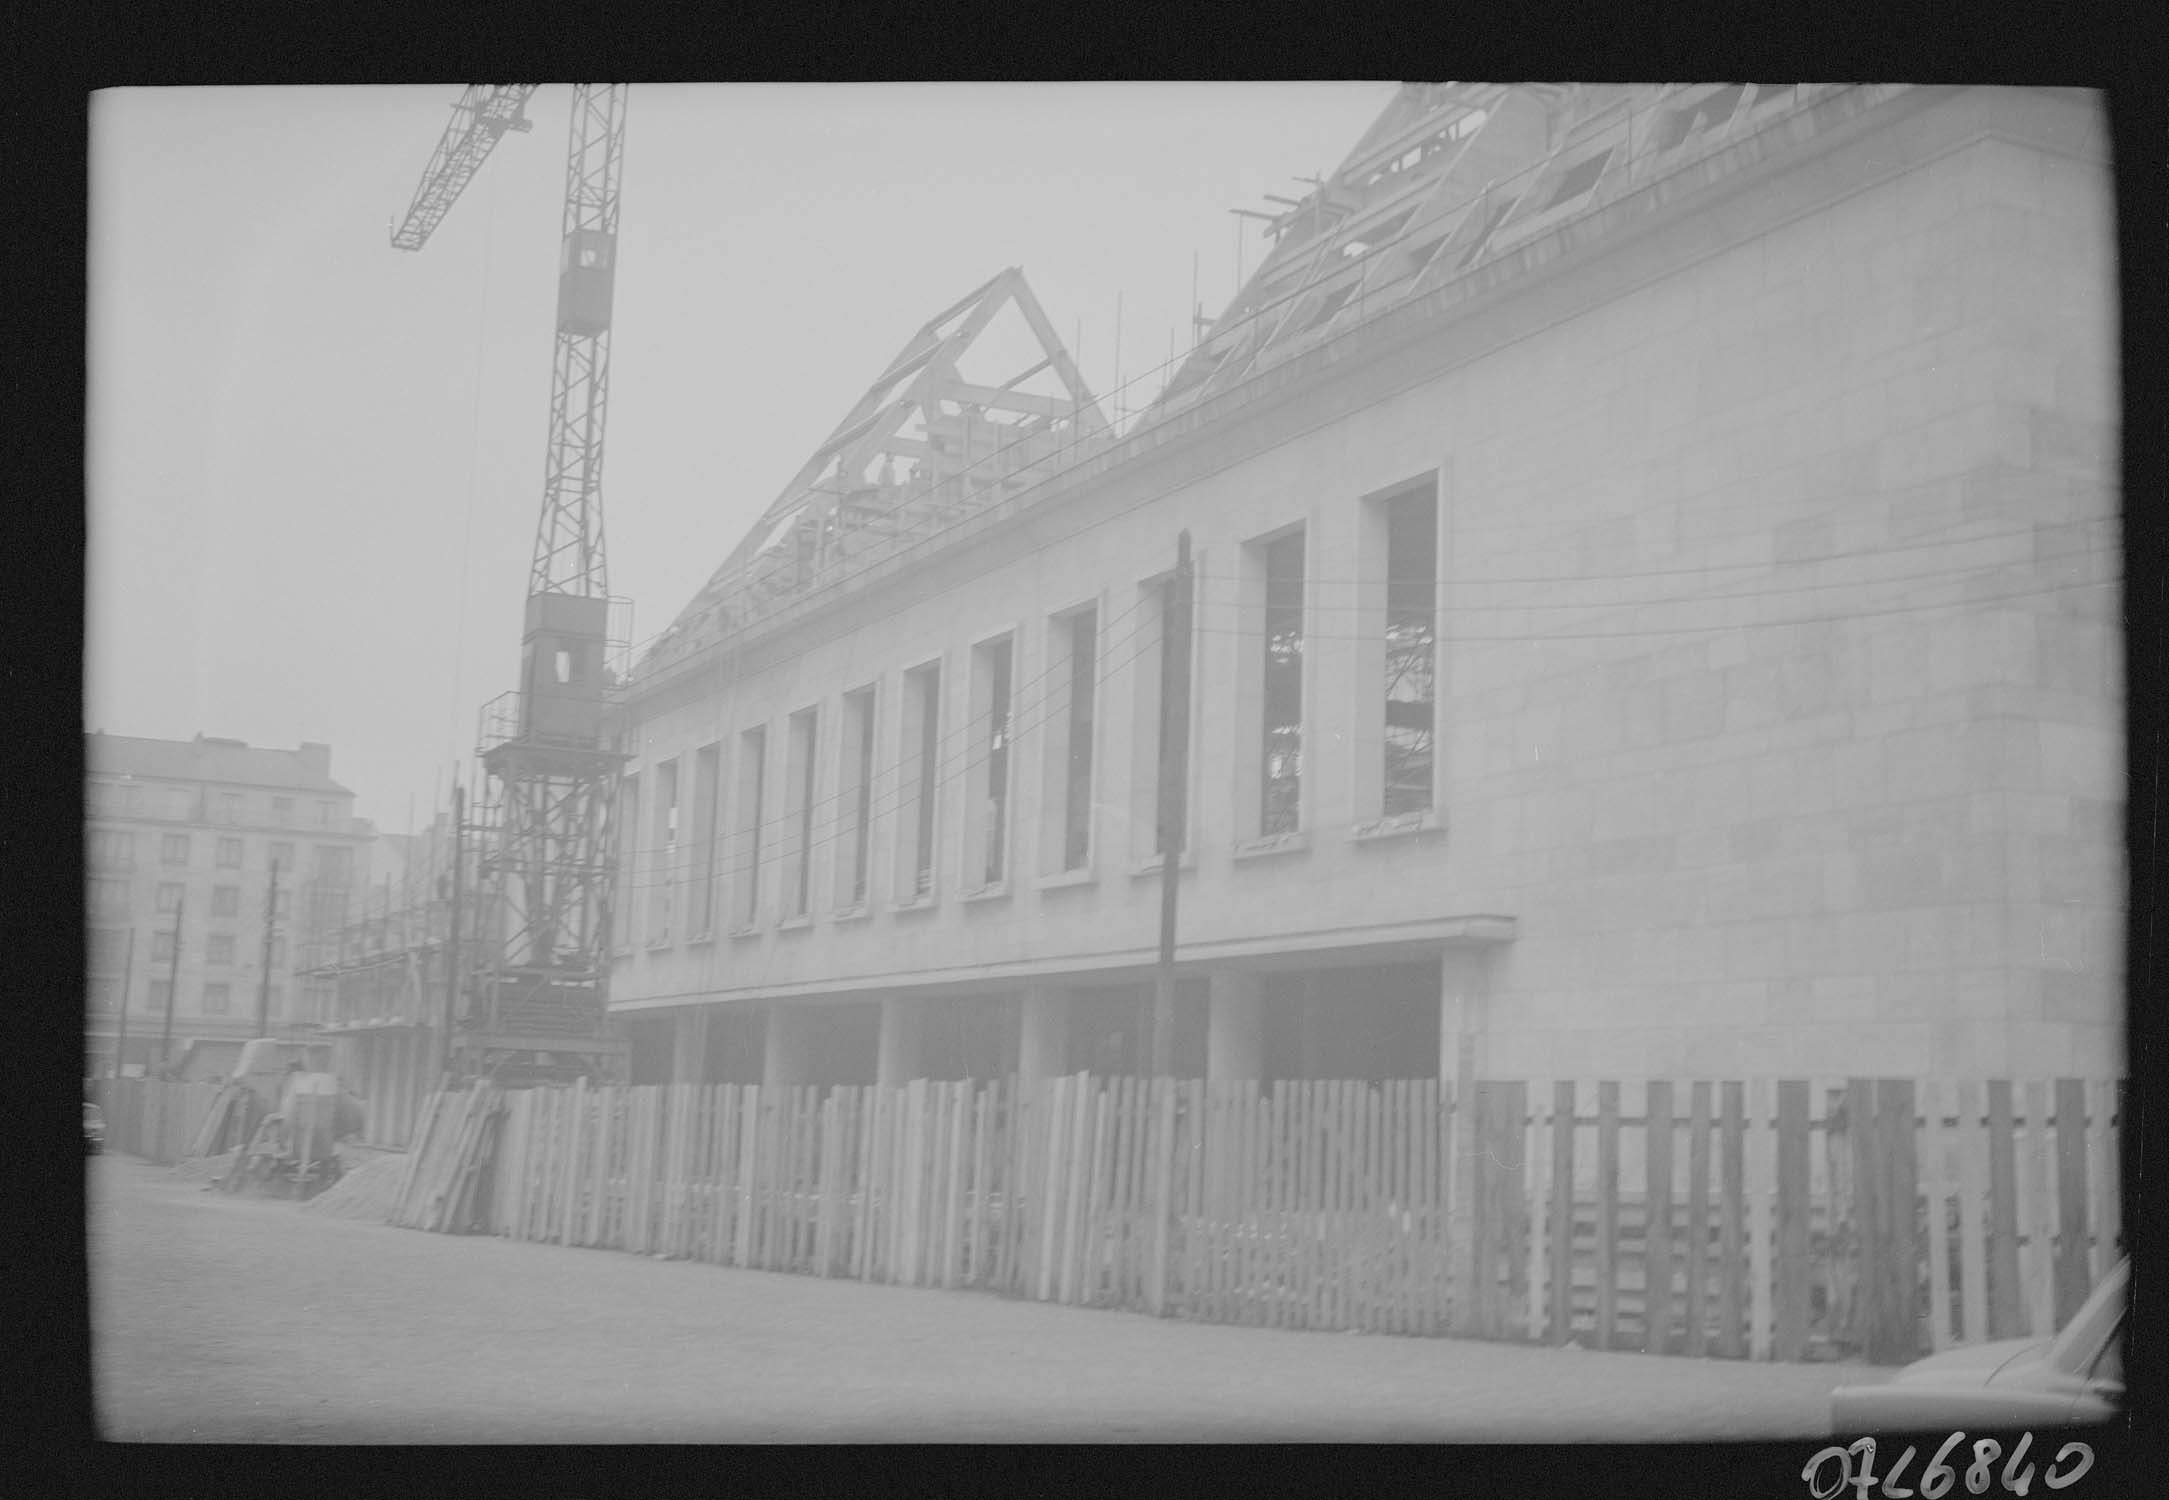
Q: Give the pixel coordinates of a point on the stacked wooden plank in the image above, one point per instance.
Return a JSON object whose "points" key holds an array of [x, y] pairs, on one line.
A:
{"points": [[441, 1188]]}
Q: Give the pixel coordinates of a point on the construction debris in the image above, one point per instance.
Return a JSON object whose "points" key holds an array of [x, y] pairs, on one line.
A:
{"points": [[369, 1190], [204, 1168]]}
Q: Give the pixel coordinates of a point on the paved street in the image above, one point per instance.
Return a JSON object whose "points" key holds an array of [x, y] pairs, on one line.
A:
{"points": [[242, 1320]]}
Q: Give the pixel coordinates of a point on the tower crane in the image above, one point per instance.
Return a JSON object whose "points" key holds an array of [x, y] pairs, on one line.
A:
{"points": [[531, 1004]]}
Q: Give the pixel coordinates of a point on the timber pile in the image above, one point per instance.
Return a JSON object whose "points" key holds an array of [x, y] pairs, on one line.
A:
{"points": [[205, 1168], [447, 1172], [368, 1191]]}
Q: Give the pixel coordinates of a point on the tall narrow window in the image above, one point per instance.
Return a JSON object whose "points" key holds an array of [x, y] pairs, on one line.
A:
{"points": [[856, 797], [1282, 738], [707, 780], [1411, 652], [662, 873], [922, 780], [805, 730], [1077, 781], [628, 831], [752, 776], [988, 824]]}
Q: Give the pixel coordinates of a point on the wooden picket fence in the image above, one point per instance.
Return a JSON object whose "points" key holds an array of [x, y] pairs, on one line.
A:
{"points": [[1762, 1212], [151, 1117]]}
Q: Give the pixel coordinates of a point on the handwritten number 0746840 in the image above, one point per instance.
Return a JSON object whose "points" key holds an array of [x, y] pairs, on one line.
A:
{"points": [[1856, 1467]]}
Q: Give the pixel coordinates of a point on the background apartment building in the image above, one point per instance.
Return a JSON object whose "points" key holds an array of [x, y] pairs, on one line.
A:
{"points": [[182, 838], [1655, 570]]}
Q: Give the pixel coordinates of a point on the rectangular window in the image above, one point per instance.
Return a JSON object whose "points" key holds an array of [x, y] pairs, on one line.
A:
{"points": [[662, 871], [161, 947], [229, 854], [855, 798], [987, 827], [804, 730], [707, 783], [113, 850], [922, 772], [628, 836], [169, 896], [229, 807], [110, 898], [282, 811], [180, 804], [104, 995], [752, 775], [1411, 666], [225, 901], [108, 950], [217, 999], [173, 849], [334, 866], [323, 814], [282, 855], [161, 994], [1083, 672], [1281, 740], [218, 948]]}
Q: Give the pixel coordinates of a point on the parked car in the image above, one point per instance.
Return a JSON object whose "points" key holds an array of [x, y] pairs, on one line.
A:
{"points": [[93, 1129], [2076, 1377]]}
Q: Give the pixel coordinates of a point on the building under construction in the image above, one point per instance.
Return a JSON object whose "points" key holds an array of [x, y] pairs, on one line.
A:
{"points": [[1654, 614]]}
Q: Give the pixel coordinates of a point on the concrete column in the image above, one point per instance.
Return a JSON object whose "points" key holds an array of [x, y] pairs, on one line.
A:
{"points": [[1043, 1032], [903, 1034], [787, 1053], [1464, 1014], [1235, 1025], [689, 1046]]}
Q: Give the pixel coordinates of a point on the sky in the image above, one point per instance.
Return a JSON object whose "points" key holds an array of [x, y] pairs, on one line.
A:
{"points": [[315, 463]]}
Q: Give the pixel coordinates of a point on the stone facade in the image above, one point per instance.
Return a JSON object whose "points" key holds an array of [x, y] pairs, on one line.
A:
{"points": [[1779, 701]]}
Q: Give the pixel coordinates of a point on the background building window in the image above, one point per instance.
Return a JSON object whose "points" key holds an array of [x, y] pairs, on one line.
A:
{"points": [[1411, 652], [229, 807], [173, 849], [662, 875], [1281, 744], [161, 994], [225, 901], [108, 950], [282, 811], [283, 856], [169, 896], [109, 898], [113, 850], [628, 835], [161, 947], [217, 999], [278, 1000], [229, 854], [323, 814], [218, 948], [180, 804]]}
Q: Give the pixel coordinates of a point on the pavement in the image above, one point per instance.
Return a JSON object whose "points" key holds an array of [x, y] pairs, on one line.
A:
{"points": [[238, 1319]]}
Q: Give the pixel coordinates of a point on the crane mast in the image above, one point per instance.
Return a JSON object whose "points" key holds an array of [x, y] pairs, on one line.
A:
{"points": [[531, 1002]]}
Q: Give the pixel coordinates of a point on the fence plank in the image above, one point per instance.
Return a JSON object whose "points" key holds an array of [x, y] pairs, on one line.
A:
{"points": [[1792, 1219], [1934, 1174], [1607, 1213], [2006, 1314], [2100, 1145], [2039, 1208], [1899, 1109], [1657, 1220], [1761, 1193], [1733, 1213], [1972, 1146]]}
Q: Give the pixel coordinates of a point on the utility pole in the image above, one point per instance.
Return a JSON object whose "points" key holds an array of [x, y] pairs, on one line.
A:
{"points": [[128, 979], [451, 947], [1174, 790], [263, 991], [173, 981]]}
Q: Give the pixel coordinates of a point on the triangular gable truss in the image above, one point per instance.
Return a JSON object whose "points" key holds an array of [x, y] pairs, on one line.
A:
{"points": [[1449, 176], [923, 445]]}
